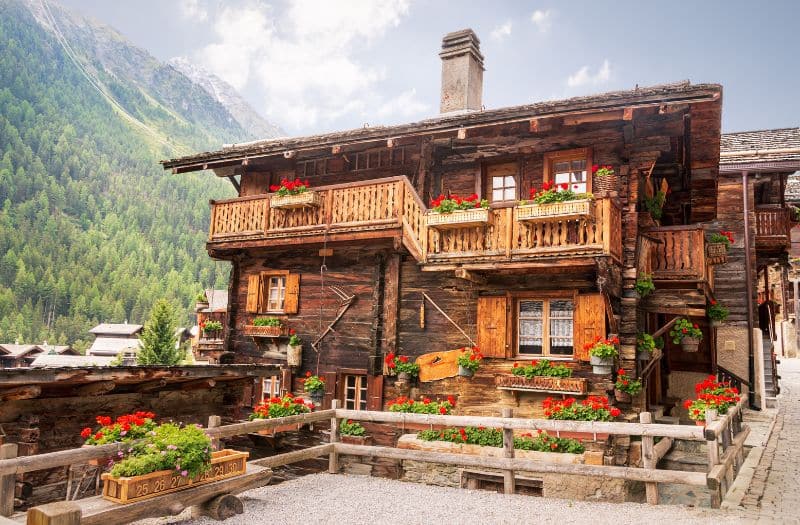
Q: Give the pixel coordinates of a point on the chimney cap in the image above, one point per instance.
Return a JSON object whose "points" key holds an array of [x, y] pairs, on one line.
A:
{"points": [[461, 42]]}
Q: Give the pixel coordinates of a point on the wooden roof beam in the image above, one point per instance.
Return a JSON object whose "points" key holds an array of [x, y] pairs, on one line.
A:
{"points": [[470, 276], [98, 388], [20, 392]]}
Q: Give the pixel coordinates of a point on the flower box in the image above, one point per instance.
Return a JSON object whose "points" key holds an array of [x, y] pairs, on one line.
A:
{"points": [[458, 219], [717, 253], [577, 209], [356, 440], [265, 331], [224, 464], [553, 385], [307, 199]]}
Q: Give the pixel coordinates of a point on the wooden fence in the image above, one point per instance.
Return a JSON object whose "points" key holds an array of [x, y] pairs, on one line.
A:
{"points": [[724, 436]]}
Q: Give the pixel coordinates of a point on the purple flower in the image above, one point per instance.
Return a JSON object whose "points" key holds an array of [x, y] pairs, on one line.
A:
{"points": [[123, 432], [184, 473], [120, 454], [172, 447]]}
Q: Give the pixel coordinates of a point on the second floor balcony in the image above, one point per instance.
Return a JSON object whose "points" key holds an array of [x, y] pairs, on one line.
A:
{"points": [[390, 208], [773, 228]]}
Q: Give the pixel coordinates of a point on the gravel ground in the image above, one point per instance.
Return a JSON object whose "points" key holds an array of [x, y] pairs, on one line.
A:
{"points": [[343, 499]]}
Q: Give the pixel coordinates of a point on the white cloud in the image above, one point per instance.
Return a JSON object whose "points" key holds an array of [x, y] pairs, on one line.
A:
{"points": [[305, 59], [193, 10], [583, 77], [502, 31], [542, 19]]}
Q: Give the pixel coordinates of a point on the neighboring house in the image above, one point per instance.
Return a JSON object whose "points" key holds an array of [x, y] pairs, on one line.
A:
{"points": [[208, 346], [761, 220], [17, 355], [114, 339], [63, 361], [365, 257]]}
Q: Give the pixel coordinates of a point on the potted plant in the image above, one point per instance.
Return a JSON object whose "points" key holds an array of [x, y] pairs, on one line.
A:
{"points": [[291, 194], [541, 376], [645, 346], [654, 206], [602, 353], [401, 366], [718, 245], [211, 328], [606, 181], [626, 387], [294, 350], [265, 327], [425, 406], [315, 386], [458, 212], [469, 361], [711, 394], [686, 334], [201, 301], [555, 200], [593, 408], [285, 406], [717, 313], [644, 285], [125, 428], [354, 432]]}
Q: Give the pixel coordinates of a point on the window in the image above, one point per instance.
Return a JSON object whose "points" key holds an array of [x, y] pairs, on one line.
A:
{"points": [[276, 293], [355, 392], [545, 327], [569, 167], [502, 182], [270, 387], [273, 292]]}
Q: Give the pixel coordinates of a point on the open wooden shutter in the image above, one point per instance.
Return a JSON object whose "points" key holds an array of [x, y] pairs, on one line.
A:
{"points": [[590, 322], [291, 300], [375, 393], [492, 326], [330, 389], [253, 293]]}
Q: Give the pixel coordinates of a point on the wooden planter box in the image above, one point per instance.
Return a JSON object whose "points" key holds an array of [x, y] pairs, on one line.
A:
{"points": [[717, 253], [553, 385], [308, 199], [562, 210], [458, 219], [224, 464], [356, 440], [265, 331]]}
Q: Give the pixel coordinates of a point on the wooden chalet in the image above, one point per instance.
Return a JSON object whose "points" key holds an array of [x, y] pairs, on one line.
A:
{"points": [[20, 355], [209, 347], [363, 270]]}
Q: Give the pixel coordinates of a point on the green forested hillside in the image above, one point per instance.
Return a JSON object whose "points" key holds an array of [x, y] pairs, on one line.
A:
{"points": [[91, 229]]}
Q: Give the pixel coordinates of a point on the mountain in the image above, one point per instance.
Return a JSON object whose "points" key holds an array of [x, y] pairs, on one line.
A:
{"points": [[226, 95], [91, 228]]}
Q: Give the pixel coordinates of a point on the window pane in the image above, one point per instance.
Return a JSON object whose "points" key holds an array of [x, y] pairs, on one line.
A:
{"points": [[510, 182], [510, 194], [578, 176], [497, 195], [579, 188], [362, 404], [560, 167], [497, 182], [561, 327], [561, 178], [530, 327], [578, 165], [351, 381]]}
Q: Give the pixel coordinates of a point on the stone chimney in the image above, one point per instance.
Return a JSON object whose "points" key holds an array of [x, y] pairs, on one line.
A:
{"points": [[462, 72]]}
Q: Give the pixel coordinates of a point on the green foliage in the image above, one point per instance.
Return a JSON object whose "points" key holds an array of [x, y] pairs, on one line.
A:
{"points": [[627, 384], [348, 427], [158, 340], [684, 328], [644, 285], [313, 384], [655, 204], [470, 358], [493, 437], [212, 326], [426, 406], [397, 364], [267, 321], [541, 367], [128, 427], [645, 343], [91, 228], [287, 405], [716, 311], [604, 348], [593, 408], [722, 237], [186, 450]]}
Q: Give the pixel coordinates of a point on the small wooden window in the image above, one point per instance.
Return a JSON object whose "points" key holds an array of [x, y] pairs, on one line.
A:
{"points": [[502, 184], [355, 392], [545, 327], [270, 387], [572, 167], [273, 292]]}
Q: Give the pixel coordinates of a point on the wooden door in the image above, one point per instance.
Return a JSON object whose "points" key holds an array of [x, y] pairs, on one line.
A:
{"points": [[493, 326], [589, 323]]}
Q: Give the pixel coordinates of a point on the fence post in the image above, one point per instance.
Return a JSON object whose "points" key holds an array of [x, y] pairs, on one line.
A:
{"points": [[713, 461], [333, 458], [508, 452], [59, 513], [213, 422], [7, 482], [649, 459]]}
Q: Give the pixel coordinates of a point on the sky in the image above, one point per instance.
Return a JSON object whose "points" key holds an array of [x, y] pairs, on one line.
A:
{"points": [[314, 66]]}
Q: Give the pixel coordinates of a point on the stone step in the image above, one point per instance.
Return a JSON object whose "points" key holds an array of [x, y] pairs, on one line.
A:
{"points": [[685, 461], [668, 420]]}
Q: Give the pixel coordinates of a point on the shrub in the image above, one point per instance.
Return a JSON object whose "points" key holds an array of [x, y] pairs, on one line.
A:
{"points": [[267, 321], [593, 408], [426, 406], [470, 358], [627, 384], [542, 367], [684, 328], [348, 427], [288, 405]]}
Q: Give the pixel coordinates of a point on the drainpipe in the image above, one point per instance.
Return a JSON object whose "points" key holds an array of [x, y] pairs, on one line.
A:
{"points": [[749, 287]]}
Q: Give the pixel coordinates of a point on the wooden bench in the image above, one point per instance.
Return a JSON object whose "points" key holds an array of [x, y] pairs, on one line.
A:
{"points": [[215, 499]]}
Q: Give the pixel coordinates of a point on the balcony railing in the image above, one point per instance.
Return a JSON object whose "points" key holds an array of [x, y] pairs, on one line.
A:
{"points": [[390, 207], [773, 227], [679, 254]]}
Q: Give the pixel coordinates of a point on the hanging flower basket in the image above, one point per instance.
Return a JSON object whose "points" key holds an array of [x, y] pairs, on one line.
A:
{"points": [[470, 218], [717, 253], [605, 181], [690, 344], [294, 355], [307, 199], [576, 209]]}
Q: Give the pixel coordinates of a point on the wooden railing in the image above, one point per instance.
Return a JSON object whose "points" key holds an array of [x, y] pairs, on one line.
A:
{"points": [[773, 226], [680, 254], [238, 217]]}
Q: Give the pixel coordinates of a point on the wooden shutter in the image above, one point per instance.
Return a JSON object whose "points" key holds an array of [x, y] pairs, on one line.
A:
{"points": [[492, 326], [375, 393], [590, 322], [330, 389], [286, 381], [253, 293], [291, 299]]}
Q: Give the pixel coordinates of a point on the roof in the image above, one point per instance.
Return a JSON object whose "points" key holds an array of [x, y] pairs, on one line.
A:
{"points": [[58, 361], [769, 148], [112, 345], [116, 329], [673, 93], [18, 350], [217, 301]]}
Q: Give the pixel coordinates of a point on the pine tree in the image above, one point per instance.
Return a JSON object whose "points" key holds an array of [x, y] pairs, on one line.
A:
{"points": [[159, 343]]}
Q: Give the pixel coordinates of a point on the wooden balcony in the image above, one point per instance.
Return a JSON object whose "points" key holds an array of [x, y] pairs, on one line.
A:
{"points": [[773, 228], [678, 257], [391, 209]]}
